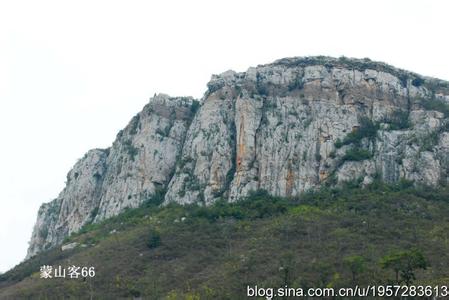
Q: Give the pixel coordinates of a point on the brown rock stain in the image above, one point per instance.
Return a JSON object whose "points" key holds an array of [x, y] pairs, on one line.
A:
{"points": [[289, 180], [214, 183], [240, 148], [323, 175]]}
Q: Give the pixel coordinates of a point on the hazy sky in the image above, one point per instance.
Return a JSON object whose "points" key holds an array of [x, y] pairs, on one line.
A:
{"points": [[73, 73]]}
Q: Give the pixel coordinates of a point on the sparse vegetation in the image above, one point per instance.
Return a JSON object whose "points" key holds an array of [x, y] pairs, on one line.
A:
{"points": [[429, 141], [195, 106], [418, 81], [261, 87], [134, 124], [356, 154], [435, 104], [367, 129], [399, 120], [183, 162], [130, 149], [297, 84], [331, 237], [43, 233], [165, 132]]}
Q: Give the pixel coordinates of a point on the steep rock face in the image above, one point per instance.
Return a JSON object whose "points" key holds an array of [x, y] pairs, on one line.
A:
{"points": [[103, 183], [75, 205], [286, 127], [208, 155], [142, 159], [275, 127]]}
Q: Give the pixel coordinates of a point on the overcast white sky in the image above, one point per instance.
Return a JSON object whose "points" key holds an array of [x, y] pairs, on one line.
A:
{"points": [[73, 73]]}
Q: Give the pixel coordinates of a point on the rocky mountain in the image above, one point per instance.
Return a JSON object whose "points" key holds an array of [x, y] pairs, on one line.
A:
{"points": [[285, 127]]}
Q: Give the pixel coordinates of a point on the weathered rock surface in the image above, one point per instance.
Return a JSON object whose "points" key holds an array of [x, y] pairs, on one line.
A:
{"points": [[69, 246], [281, 127], [105, 182]]}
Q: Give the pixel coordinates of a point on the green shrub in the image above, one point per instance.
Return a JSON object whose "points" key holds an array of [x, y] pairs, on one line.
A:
{"points": [[258, 204], [135, 124], [94, 213], [429, 141], [192, 183], [43, 232], [195, 106], [154, 239], [399, 120], [356, 264], [164, 132], [417, 82], [404, 263], [338, 143], [156, 198], [356, 154], [130, 149], [367, 129], [182, 162], [438, 105], [297, 84]]}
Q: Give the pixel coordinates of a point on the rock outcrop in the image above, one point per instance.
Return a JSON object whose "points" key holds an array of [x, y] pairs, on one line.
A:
{"points": [[103, 183], [285, 127]]}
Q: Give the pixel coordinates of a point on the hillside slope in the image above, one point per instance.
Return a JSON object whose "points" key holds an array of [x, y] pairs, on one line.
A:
{"points": [[192, 252]]}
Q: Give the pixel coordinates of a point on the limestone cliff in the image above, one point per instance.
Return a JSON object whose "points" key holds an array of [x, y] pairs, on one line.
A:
{"points": [[285, 127], [103, 183]]}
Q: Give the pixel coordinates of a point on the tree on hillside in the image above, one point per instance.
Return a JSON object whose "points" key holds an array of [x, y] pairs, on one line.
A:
{"points": [[356, 264], [404, 264]]}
